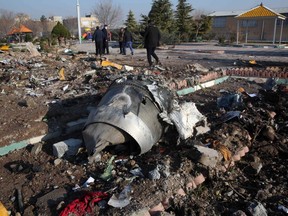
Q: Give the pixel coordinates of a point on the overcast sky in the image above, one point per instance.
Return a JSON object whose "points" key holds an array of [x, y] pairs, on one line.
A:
{"points": [[66, 8]]}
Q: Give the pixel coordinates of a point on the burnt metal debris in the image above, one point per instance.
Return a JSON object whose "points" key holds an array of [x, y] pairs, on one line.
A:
{"points": [[136, 110], [128, 113]]}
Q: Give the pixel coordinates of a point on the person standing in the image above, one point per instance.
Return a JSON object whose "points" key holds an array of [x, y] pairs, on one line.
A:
{"points": [[121, 40], [152, 38], [98, 37], [105, 40], [128, 39]]}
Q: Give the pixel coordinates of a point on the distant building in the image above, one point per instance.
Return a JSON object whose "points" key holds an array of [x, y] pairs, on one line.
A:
{"points": [[21, 17], [88, 24], [89, 21], [56, 19], [259, 24]]}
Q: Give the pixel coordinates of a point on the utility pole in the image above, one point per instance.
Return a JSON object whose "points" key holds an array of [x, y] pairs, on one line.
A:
{"points": [[79, 22]]}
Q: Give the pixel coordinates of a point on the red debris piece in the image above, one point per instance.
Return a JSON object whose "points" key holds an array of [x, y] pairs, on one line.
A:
{"points": [[84, 204]]}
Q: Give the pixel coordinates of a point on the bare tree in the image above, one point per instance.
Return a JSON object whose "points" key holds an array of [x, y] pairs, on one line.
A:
{"points": [[71, 24], [35, 26], [201, 23], [45, 26], [108, 13], [21, 18], [7, 20]]}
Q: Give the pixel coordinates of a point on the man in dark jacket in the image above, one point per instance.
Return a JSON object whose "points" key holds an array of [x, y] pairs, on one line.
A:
{"points": [[105, 40], [152, 38], [121, 40], [128, 41], [98, 37]]}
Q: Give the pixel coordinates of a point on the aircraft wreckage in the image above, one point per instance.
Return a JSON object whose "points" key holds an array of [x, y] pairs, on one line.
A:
{"points": [[136, 111]]}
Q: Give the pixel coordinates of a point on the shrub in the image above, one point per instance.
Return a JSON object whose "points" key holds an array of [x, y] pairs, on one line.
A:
{"points": [[232, 38], [60, 31], [28, 38], [221, 39], [169, 38], [45, 44], [209, 36]]}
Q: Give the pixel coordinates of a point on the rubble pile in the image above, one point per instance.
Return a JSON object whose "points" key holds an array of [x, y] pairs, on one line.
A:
{"points": [[235, 165], [52, 90], [49, 87]]}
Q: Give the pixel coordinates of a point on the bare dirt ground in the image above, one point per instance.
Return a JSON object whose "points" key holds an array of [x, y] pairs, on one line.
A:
{"points": [[35, 101]]}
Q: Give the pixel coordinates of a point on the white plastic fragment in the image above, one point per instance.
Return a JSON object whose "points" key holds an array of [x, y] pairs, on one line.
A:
{"points": [[128, 68], [88, 181], [77, 187], [186, 118], [65, 87], [118, 203], [123, 198], [90, 72], [85, 185], [154, 174]]}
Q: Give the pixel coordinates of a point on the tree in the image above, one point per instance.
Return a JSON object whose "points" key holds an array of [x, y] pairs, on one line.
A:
{"points": [[143, 22], [131, 22], [162, 14], [35, 26], [184, 19], [7, 20], [21, 18], [60, 31], [107, 13], [43, 18], [201, 24], [44, 22]]}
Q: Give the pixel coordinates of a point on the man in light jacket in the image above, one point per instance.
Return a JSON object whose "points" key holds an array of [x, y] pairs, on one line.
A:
{"points": [[128, 41]]}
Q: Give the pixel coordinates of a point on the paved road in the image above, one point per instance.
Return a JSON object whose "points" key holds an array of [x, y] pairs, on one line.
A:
{"points": [[209, 54]]}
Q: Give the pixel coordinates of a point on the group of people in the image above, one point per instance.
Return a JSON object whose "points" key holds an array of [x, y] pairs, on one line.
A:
{"points": [[101, 40], [152, 38]]}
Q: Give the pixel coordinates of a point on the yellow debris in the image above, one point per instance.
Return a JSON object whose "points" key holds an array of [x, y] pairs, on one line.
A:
{"points": [[4, 48], [3, 210], [225, 152], [223, 149], [61, 74], [109, 63], [241, 90], [252, 62]]}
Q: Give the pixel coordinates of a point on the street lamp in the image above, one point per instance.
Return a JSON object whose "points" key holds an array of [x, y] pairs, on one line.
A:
{"points": [[79, 22]]}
